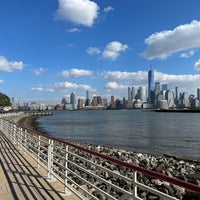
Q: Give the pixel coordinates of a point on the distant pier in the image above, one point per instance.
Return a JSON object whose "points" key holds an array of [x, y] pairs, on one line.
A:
{"points": [[179, 110], [40, 113]]}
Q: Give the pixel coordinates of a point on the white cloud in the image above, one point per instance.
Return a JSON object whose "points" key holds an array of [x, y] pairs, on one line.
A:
{"points": [[110, 52], [137, 77], [93, 50], [197, 65], [115, 85], [108, 9], [82, 12], [163, 44], [10, 66], [73, 30], [64, 86], [50, 90], [1, 81], [113, 49], [37, 89], [38, 71], [187, 55], [75, 73]]}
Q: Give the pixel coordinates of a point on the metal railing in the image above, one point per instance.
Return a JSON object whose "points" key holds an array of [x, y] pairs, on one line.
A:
{"points": [[87, 173]]}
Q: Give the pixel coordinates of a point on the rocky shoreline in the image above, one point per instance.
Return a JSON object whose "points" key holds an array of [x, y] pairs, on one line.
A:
{"points": [[184, 169]]}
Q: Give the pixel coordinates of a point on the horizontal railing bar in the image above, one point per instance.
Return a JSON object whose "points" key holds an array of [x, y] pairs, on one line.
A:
{"points": [[101, 179], [92, 185], [34, 158], [164, 177], [101, 167], [154, 191], [76, 184]]}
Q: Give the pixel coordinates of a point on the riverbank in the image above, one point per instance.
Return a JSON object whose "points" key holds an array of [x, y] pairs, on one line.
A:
{"points": [[29, 122], [184, 169]]}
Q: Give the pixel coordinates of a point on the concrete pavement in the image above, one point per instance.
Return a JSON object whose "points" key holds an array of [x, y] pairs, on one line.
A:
{"points": [[21, 179]]}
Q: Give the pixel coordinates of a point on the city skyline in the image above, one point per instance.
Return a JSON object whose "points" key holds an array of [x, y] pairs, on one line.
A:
{"points": [[50, 49]]}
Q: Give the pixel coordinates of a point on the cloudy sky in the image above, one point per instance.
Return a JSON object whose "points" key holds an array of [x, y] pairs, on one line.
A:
{"points": [[51, 48]]}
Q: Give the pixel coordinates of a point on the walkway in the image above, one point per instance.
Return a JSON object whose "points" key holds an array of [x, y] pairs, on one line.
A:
{"points": [[21, 179]]}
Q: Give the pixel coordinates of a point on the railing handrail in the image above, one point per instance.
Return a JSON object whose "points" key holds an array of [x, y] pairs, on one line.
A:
{"points": [[151, 173]]}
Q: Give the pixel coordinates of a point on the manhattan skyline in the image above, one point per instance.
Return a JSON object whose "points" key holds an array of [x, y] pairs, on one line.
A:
{"points": [[51, 48]]}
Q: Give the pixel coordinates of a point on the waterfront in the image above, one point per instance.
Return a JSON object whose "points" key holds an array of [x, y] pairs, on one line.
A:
{"points": [[143, 131]]}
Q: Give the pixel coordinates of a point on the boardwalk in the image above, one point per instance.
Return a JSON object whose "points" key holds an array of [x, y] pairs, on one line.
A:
{"points": [[21, 179]]}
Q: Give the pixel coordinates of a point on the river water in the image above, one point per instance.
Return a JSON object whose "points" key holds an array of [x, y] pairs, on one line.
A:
{"points": [[176, 134]]}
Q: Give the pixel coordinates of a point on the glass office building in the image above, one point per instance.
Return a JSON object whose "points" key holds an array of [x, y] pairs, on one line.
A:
{"points": [[151, 86]]}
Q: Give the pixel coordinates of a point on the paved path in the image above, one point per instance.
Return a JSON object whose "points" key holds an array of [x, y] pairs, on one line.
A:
{"points": [[21, 179]]}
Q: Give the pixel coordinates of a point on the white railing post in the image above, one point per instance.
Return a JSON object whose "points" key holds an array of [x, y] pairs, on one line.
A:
{"points": [[50, 159], [38, 154], [134, 185], [11, 131], [1, 123], [66, 168], [9, 128], [25, 141], [21, 138], [4, 127], [14, 133], [18, 135]]}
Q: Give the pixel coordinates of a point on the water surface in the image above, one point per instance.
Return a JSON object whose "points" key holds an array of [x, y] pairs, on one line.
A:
{"points": [[175, 134]]}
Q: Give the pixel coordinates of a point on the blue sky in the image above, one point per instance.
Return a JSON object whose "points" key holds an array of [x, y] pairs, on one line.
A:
{"points": [[50, 48]]}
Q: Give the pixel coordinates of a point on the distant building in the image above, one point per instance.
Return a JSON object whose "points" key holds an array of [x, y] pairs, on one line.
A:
{"points": [[137, 103], [150, 86], [68, 106], [63, 101], [194, 103], [112, 106], [163, 104], [129, 93], [198, 94], [185, 100], [160, 97], [176, 100], [164, 87], [81, 104], [128, 104], [96, 101], [169, 96], [157, 92], [87, 101], [73, 100], [132, 93], [118, 104], [142, 94]]}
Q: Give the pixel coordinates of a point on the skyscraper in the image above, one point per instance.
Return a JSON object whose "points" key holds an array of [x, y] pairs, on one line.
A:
{"points": [[169, 96], [176, 96], [132, 93], [73, 100], [129, 93], [87, 101], [164, 87], [112, 102], [198, 94], [142, 93], [150, 86], [157, 88], [156, 95]]}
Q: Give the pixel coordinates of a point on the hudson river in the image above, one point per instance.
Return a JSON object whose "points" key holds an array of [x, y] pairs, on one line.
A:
{"points": [[176, 134]]}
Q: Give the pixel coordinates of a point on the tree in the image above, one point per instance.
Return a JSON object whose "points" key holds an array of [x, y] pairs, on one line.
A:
{"points": [[4, 100]]}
